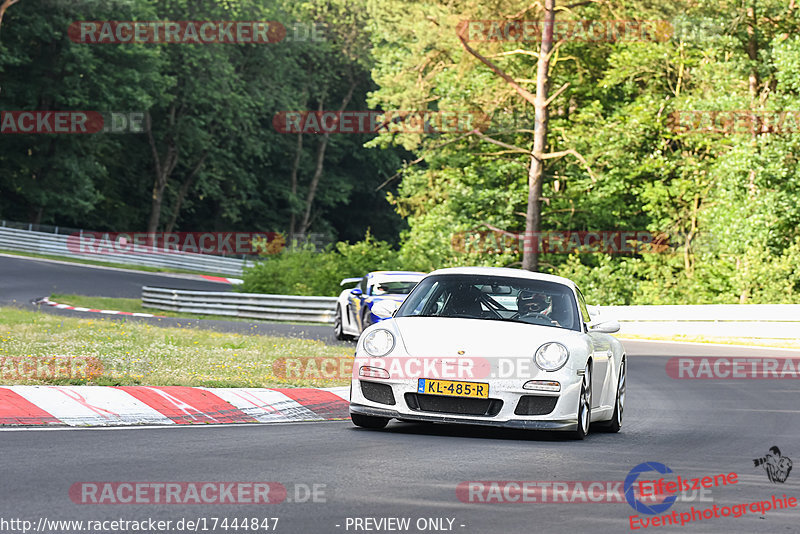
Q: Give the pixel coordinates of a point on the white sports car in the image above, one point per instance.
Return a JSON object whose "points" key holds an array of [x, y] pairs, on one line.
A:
{"points": [[491, 346], [375, 298]]}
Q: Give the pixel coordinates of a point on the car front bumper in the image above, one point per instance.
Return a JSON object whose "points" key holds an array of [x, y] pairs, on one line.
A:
{"points": [[526, 424], [503, 408]]}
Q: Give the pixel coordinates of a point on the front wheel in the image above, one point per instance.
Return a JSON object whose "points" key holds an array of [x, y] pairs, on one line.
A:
{"points": [[366, 319], [584, 405], [368, 421], [619, 404], [338, 327]]}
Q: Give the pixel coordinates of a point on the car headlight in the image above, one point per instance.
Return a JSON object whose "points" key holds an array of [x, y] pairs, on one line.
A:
{"points": [[551, 356], [379, 342]]}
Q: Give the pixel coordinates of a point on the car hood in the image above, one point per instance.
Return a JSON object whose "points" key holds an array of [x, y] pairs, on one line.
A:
{"points": [[439, 336]]}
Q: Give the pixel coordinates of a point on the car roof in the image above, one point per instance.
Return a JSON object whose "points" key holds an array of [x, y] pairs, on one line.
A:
{"points": [[400, 276], [395, 272], [505, 271]]}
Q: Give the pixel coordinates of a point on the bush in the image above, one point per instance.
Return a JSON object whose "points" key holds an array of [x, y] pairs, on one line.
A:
{"points": [[303, 271]]}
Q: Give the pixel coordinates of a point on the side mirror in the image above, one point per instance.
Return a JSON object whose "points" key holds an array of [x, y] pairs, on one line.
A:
{"points": [[385, 308], [356, 292], [606, 327]]}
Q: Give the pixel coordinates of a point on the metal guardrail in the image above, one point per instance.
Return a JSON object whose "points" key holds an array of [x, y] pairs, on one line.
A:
{"points": [[762, 321], [758, 321], [56, 244], [244, 305]]}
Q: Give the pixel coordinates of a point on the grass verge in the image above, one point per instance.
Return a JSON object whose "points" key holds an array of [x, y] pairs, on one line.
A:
{"points": [[38, 348]]}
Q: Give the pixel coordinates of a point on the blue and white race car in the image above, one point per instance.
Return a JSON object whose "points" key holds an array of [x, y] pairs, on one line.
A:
{"points": [[375, 298]]}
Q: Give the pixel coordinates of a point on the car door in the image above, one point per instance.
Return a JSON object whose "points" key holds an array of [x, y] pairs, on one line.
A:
{"points": [[601, 357], [354, 303]]}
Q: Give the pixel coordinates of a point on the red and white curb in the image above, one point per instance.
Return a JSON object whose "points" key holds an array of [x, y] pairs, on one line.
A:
{"points": [[49, 302], [222, 279], [167, 405]]}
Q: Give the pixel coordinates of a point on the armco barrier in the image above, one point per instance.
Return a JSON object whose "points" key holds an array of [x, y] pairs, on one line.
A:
{"points": [[56, 245], [759, 321], [246, 305]]}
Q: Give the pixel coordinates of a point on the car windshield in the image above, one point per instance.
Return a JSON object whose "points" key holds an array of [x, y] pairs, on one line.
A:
{"points": [[393, 288], [494, 298]]}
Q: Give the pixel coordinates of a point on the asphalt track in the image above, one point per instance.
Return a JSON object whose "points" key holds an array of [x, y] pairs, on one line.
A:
{"points": [[696, 427], [25, 279]]}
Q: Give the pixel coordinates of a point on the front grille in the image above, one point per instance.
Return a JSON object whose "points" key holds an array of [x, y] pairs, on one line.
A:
{"points": [[535, 405], [453, 405], [378, 392]]}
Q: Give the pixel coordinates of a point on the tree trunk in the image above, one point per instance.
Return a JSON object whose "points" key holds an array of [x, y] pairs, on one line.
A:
{"points": [[752, 54], [293, 189], [312, 189], [183, 191], [530, 255], [162, 170]]}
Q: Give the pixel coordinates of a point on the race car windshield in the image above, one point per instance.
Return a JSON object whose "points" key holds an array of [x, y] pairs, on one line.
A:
{"points": [[493, 298], [393, 288]]}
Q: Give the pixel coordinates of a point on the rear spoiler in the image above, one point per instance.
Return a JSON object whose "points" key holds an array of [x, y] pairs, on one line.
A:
{"points": [[349, 281]]}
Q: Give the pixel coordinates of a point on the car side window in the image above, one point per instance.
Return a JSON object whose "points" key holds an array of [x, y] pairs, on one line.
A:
{"points": [[582, 306], [363, 285]]}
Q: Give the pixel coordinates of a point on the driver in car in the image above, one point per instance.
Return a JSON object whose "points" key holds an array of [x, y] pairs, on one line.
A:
{"points": [[534, 306], [380, 289]]}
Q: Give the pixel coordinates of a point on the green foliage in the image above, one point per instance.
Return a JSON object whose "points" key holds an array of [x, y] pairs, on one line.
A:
{"points": [[212, 107], [728, 201], [304, 271]]}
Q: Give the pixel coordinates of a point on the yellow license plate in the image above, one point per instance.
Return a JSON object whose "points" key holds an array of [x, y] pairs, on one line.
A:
{"points": [[453, 389]]}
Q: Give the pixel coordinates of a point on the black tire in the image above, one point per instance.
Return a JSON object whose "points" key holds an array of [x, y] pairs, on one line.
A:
{"points": [[368, 421], [584, 405], [366, 320], [338, 326], [615, 424]]}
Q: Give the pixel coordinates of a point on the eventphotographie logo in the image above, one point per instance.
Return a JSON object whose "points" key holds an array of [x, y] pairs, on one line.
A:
{"points": [[777, 467]]}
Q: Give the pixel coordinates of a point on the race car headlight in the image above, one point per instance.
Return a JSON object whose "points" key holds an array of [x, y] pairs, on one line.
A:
{"points": [[551, 356], [379, 342]]}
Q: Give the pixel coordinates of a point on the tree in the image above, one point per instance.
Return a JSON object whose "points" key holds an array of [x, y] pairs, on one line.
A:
{"points": [[4, 6]]}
